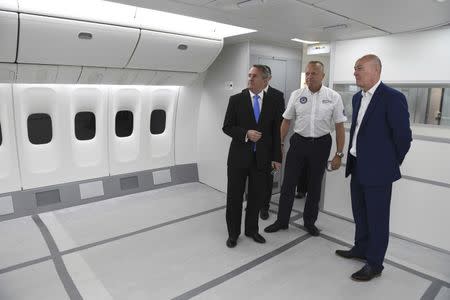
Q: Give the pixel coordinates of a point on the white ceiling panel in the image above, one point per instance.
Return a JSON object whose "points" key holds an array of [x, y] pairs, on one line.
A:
{"points": [[392, 16], [278, 21]]}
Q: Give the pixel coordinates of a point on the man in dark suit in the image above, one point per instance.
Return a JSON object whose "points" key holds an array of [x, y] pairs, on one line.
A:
{"points": [[252, 121], [279, 97], [380, 137]]}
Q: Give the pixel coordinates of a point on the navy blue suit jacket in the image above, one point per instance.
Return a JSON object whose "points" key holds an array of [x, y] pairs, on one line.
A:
{"points": [[384, 137]]}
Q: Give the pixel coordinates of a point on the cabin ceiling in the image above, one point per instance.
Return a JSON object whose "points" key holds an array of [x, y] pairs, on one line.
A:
{"points": [[277, 21]]}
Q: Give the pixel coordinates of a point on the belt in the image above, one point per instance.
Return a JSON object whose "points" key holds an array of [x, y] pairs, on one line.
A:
{"points": [[312, 139]]}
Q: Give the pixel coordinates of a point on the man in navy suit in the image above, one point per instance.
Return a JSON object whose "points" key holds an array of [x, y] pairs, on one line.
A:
{"points": [[380, 137], [252, 121]]}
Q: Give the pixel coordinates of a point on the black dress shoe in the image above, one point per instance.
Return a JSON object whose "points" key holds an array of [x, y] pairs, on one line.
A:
{"points": [[312, 230], [300, 195], [365, 274], [257, 237], [348, 254], [275, 227], [231, 243], [264, 214]]}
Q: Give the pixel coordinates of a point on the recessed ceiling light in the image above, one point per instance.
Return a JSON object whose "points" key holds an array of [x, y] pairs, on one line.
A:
{"points": [[441, 1], [304, 42]]}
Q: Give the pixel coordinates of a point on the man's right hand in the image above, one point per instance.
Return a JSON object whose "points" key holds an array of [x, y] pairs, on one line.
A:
{"points": [[254, 135]]}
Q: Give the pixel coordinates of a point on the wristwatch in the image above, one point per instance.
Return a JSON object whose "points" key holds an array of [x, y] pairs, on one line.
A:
{"points": [[340, 154]]}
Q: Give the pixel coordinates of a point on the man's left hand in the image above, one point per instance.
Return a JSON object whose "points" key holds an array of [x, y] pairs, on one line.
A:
{"points": [[336, 163], [276, 165]]}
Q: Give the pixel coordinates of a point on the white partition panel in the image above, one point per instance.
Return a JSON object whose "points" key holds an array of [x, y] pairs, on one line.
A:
{"points": [[141, 150], [89, 159], [41, 164], [9, 168], [162, 145]]}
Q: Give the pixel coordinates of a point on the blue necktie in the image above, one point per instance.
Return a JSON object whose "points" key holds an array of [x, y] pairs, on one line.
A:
{"points": [[256, 112]]}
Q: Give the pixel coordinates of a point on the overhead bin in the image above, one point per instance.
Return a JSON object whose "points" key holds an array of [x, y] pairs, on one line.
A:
{"points": [[173, 52], [10, 5], [8, 36], [47, 40], [84, 10]]}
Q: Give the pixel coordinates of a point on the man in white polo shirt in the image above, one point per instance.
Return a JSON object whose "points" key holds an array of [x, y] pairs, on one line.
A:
{"points": [[316, 111]]}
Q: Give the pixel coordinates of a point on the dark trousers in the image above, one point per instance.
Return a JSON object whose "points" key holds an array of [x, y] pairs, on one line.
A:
{"points": [[302, 185], [301, 188], [312, 154], [371, 209], [235, 191]]}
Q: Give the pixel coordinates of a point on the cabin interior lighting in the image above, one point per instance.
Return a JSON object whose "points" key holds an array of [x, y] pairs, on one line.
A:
{"points": [[304, 41]]}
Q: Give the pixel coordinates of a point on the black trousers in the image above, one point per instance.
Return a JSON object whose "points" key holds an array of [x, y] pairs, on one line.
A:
{"points": [[302, 187], [237, 177], [313, 154]]}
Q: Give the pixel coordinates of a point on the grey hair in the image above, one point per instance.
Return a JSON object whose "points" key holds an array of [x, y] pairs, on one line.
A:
{"points": [[264, 70], [316, 62]]}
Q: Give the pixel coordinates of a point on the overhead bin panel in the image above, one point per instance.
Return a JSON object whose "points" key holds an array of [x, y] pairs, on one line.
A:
{"points": [[46, 40], [8, 36], [10, 5], [173, 52], [84, 10]]}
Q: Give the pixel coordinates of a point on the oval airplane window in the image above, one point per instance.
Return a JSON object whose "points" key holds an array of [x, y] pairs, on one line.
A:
{"points": [[85, 125], [39, 129], [158, 121], [124, 123]]}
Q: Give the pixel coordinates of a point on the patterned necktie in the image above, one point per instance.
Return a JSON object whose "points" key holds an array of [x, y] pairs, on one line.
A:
{"points": [[256, 112]]}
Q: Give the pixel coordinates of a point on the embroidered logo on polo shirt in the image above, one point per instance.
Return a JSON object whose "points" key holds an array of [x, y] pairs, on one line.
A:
{"points": [[303, 100], [326, 101]]}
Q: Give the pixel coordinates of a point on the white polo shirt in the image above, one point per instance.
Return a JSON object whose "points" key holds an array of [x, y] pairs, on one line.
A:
{"points": [[315, 113]]}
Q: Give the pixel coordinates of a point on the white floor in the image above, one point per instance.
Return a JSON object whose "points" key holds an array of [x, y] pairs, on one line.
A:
{"points": [[170, 243]]}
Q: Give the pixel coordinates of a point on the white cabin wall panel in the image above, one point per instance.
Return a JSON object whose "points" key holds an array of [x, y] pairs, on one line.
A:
{"points": [[68, 74], [89, 157], [10, 5], [402, 57], [419, 208], [91, 75], [173, 78], [212, 144], [47, 40], [428, 160], [9, 170], [187, 122], [159, 51], [87, 10], [8, 73], [120, 76], [42, 164], [36, 73], [126, 153], [162, 145], [8, 36]]}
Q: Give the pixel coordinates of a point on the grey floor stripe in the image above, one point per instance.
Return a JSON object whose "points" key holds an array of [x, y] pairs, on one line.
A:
{"points": [[64, 276], [390, 262], [25, 264], [119, 237], [432, 291], [432, 182], [241, 269]]}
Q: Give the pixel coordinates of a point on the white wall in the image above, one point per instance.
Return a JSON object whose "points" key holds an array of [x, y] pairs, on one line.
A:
{"points": [[421, 57], [212, 144], [187, 122]]}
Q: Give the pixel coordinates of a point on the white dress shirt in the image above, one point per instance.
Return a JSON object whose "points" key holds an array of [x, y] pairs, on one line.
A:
{"points": [[316, 113], [365, 101]]}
